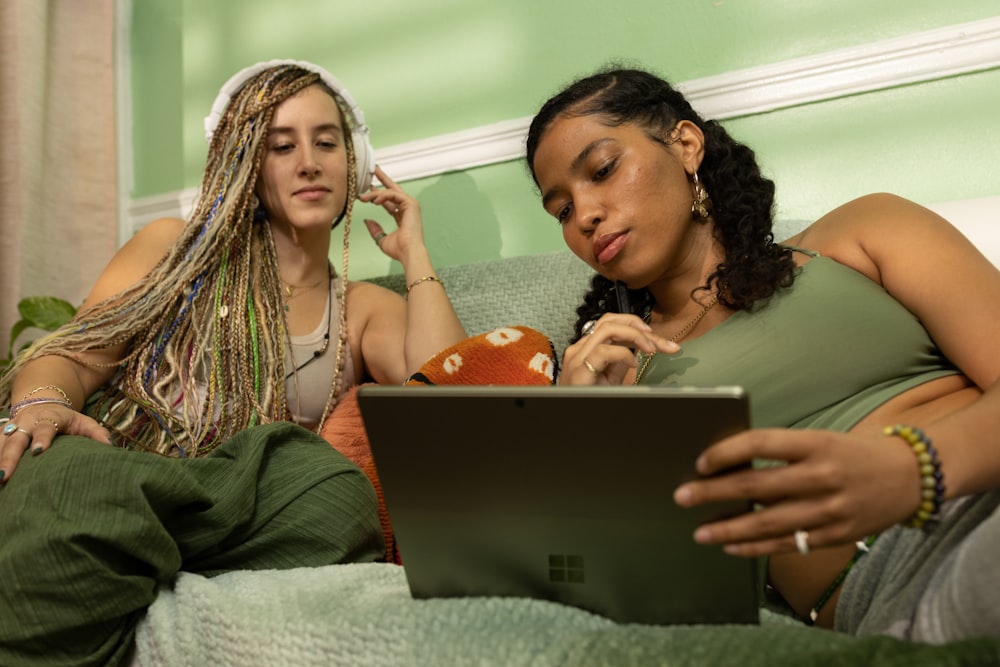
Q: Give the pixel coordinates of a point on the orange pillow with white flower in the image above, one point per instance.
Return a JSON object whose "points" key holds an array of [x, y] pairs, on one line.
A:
{"points": [[516, 355]]}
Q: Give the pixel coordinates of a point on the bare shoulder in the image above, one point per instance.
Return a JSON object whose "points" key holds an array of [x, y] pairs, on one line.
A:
{"points": [[136, 258], [368, 290], [162, 230], [376, 323], [148, 245], [366, 300], [864, 232]]}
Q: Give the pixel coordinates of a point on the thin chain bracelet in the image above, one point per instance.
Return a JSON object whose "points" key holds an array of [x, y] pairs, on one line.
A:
{"points": [[425, 279], [46, 387]]}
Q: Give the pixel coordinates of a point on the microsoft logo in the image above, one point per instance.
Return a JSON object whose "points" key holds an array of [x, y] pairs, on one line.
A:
{"points": [[566, 568]]}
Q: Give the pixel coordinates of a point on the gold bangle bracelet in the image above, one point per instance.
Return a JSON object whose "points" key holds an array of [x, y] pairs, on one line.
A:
{"points": [[433, 279]]}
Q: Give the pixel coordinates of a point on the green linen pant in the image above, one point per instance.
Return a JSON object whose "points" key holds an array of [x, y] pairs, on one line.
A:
{"points": [[88, 532]]}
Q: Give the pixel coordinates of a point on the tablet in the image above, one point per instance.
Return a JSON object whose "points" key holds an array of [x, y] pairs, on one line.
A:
{"points": [[560, 493]]}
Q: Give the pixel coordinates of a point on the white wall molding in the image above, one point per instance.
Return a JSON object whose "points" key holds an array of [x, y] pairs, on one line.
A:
{"points": [[914, 58], [925, 56]]}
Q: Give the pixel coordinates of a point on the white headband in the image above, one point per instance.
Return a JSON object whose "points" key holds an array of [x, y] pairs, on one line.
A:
{"points": [[364, 154]]}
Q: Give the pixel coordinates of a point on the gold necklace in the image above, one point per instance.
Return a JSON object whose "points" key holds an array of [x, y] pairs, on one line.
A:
{"points": [[679, 335], [290, 292]]}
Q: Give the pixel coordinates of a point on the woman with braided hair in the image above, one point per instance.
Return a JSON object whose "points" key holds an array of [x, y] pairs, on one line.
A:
{"points": [[865, 344], [205, 354]]}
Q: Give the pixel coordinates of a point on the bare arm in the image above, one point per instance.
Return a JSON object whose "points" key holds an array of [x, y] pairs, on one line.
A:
{"points": [[939, 275], [843, 486], [399, 335], [53, 376]]}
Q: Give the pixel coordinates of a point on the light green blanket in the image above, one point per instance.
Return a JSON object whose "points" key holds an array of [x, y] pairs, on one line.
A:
{"points": [[362, 614]]}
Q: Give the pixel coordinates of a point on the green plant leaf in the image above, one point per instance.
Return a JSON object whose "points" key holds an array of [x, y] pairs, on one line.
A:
{"points": [[46, 312], [15, 331]]}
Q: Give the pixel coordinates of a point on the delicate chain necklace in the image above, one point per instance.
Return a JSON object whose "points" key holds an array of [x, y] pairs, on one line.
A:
{"points": [[290, 292], [679, 335]]}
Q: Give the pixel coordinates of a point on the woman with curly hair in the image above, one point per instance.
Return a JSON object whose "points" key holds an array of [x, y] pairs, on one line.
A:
{"points": [[860, 341], [209, 353]]}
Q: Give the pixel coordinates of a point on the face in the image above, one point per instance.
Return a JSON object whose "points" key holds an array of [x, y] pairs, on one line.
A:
{"points": [[622, 199], [303, 177]]}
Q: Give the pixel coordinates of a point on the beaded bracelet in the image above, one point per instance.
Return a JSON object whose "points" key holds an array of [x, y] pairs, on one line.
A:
{"points": [[425, 279], [16, 407], [932, 487]]}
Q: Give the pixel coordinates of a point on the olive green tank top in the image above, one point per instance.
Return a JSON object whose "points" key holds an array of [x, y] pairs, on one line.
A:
{"points": [[822, 353]]}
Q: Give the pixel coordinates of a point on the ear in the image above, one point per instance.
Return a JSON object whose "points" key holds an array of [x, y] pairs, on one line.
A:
{"points": [[690, 141]]}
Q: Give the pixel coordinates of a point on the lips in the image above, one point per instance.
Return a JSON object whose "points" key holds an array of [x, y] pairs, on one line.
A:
{"points": [[607, 246], [312, 192]]}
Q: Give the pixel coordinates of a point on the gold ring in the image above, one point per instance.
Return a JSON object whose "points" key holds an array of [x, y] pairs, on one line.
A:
{"points": [[46, 419], [590, 366]]}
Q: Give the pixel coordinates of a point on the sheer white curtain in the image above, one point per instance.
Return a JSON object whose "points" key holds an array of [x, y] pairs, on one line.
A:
{"points": [[58, 196]]}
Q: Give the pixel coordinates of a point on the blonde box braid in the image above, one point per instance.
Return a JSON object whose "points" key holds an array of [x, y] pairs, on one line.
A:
{"points": [[210, 311]]}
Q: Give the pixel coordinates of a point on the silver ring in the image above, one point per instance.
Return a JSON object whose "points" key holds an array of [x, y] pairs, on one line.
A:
{"points": [[802, 541], [378, 238], [590, 366], [589, 327], [10, 428], [21, 430]]}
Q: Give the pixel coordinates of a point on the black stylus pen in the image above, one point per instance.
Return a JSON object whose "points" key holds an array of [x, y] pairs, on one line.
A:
{"points": [[622, 291]]}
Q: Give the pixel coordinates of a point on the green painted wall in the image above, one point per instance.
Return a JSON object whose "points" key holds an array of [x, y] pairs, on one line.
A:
{"points": [[157, 97], [421, 68]]}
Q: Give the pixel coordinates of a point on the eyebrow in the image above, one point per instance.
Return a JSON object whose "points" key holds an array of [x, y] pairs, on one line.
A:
{"points": [[327, 127], [577, 162]]}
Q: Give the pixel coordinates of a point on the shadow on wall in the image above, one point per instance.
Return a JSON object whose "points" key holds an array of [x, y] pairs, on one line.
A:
{"points": [[460, 223]]}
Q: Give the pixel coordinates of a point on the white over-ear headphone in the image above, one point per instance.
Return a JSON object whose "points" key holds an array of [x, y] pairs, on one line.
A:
{"points": [[364, 154]]}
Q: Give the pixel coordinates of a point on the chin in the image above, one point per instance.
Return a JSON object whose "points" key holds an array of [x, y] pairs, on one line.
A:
{"points": [[309, 219]]}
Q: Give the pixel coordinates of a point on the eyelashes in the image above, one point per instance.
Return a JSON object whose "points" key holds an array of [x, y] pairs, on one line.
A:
{"points": [[601, 173], [286, 147]]}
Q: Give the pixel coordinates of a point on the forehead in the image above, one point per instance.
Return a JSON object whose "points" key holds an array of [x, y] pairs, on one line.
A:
{"points": [[312, 105], [570, 139], [567, 135]]}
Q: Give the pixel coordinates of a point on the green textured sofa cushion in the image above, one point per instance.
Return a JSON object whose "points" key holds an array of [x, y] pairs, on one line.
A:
{"points": [[538, 291]]}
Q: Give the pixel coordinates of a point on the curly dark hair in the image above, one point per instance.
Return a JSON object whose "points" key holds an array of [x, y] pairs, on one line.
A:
{"points": [[742, 199]]}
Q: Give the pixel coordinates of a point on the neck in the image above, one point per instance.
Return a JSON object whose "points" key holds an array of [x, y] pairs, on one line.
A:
{"points": [[301, 266], [291, 242], [672, 294]]}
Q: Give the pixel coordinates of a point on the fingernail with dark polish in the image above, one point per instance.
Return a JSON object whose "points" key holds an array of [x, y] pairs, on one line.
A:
{"points": [[36, 451], [3, 473]]}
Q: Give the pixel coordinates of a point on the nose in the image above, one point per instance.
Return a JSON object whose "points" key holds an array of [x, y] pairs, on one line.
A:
{"points": [[589, 213], [308, 166]]}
